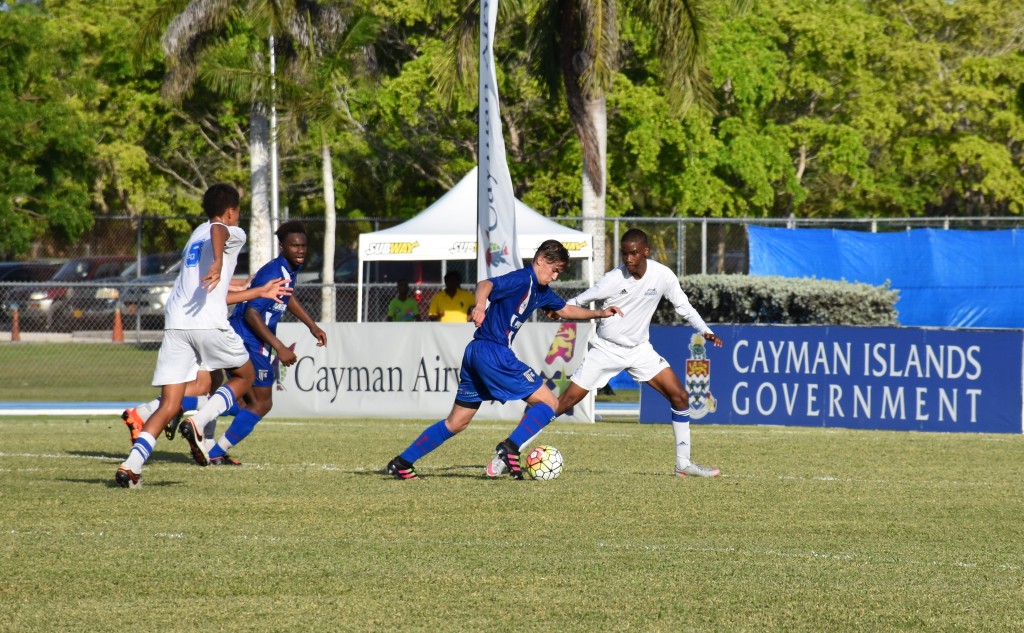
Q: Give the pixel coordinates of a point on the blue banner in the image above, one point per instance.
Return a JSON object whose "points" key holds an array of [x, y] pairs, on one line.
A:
{"points": [[900, 379], [951, 279]]}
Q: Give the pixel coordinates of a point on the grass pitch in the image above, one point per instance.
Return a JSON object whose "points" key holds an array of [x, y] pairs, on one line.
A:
{"points": [[807, 530]]}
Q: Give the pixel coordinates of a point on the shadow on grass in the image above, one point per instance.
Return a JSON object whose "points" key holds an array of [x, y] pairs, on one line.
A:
{"points": [[162, 456], [110, 483]]}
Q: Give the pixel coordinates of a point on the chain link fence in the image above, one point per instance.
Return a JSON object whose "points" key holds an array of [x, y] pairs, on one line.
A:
{"points": [[110, 287]]}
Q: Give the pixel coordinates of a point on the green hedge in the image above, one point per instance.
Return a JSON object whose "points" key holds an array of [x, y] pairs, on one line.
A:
{"points": [[746, 299]]}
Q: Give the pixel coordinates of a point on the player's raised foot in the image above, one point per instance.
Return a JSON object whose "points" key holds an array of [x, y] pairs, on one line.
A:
{"points": [[172, 427], [696, 470], [125, 478], [134, 422], [510, 456], [495, 467], [401, 469], [190, 431], [224, 460]]}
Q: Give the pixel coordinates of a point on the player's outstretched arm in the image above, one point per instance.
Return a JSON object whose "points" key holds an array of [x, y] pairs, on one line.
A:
{"points": [[576, 313], [274, 289]]}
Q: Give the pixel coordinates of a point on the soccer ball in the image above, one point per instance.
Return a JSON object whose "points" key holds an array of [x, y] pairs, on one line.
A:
{"points": [[543, 463]]}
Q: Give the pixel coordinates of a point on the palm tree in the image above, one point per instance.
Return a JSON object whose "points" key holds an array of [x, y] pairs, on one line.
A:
{"points": [[574, 46], [234, 35], [332, 64]]}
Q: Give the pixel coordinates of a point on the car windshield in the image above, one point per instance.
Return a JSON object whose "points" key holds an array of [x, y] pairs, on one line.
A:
{"points": [[74, 270], [152, 265]]}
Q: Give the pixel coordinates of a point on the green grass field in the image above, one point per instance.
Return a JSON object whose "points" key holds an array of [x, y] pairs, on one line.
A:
{"points": [[76, 372], [807, 530]]}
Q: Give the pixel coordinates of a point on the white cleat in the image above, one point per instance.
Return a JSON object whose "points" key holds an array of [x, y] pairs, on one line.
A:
{"points": [[495, 467], [696, 470]]}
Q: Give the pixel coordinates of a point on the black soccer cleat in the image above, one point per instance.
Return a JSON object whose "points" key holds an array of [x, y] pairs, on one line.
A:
{"points": [[224, 460], [172, 426], [510, 456], [401, 469], [125, 478]]}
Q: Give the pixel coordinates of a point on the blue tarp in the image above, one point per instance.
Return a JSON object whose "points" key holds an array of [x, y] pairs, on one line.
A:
{"points": [[945, 278]]}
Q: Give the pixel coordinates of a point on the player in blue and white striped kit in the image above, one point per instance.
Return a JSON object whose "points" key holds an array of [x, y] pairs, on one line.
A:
{"points": [[256, 321], [490, 369]]}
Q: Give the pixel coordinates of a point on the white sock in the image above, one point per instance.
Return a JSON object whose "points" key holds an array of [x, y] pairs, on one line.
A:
{"points": [[681, 430], [224, 443], [218, 403], [141, 450], [148, 409]]}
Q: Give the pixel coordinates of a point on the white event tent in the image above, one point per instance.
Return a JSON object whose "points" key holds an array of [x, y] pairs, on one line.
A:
{"points": [[447, 230]]}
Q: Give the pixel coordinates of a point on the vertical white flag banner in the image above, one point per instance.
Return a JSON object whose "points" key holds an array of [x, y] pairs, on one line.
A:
{"points": [[497, 249]]}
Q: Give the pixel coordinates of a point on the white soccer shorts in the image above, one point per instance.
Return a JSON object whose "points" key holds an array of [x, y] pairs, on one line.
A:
{"points": [[184, 352], [603, 362]]}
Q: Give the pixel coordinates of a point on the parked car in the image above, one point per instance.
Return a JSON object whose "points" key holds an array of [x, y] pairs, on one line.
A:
{"points": [[13, 273], [93, 307], [146, 298], [56, 305]]}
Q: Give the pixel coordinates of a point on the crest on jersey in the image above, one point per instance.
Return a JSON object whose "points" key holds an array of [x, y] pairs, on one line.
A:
{"points": [[698, 379]]}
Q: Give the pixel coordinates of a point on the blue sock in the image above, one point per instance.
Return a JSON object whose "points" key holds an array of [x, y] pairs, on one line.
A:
{"points": [[539, 416], [240, 428], [435, 435], [234, 409]]}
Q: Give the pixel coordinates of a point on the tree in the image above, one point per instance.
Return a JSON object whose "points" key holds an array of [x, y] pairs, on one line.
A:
{"points": [[46, 137], [204, 36], [576, 49]]}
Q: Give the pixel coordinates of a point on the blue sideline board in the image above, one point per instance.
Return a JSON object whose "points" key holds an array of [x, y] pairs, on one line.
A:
{"points": [[888, 378]]}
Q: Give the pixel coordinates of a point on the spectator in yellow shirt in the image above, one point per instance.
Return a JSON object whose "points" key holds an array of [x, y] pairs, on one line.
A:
{"points": [[452, 305]]}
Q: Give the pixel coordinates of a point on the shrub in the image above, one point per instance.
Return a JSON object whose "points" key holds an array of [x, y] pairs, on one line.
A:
{"points": [[746, 299]]}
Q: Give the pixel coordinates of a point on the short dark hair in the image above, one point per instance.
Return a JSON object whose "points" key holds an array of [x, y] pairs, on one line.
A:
{"points": [[219, 198], [553, 251], [286, 229], [453, 274], [634, 235]]}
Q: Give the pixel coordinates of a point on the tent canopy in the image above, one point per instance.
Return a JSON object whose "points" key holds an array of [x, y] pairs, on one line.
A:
{"points": [[447, 230]]}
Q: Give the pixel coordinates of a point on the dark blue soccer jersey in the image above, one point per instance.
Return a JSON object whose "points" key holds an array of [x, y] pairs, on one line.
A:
{"points": [[269, 310], [513, 299]]}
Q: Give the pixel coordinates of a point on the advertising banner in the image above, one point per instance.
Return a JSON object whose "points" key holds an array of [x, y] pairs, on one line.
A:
{"points": [[498, 249], [901, 379], [411, 370]]}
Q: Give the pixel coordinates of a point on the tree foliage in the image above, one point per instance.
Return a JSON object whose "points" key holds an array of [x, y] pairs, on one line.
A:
{"points": [[846, 108]]}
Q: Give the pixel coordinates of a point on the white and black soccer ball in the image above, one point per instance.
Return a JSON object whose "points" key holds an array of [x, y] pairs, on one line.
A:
{"points": [[543, 463]]}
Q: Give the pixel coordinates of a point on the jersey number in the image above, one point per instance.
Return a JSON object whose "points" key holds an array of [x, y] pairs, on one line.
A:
{"points": [[193, 254]]}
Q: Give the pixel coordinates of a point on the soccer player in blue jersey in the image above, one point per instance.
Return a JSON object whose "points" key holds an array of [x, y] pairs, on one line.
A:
{"points": [[256, 321], [490, 369]]}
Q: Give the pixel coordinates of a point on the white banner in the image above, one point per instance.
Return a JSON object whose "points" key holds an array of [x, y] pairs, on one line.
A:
{"points": [[411, 370], [497, 249]]}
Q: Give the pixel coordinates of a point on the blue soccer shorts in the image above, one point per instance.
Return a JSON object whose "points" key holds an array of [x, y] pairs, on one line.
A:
{"points": [[493, 372]]}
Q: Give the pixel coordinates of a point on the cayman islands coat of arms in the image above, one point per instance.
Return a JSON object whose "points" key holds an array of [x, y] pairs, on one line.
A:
{"points": [[698, 380]]}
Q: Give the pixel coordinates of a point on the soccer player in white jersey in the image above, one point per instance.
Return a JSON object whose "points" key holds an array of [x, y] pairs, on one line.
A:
{"points": [[623, 342], [197, 330]]}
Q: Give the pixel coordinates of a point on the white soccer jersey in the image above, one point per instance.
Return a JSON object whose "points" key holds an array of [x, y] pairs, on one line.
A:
{"points": [[638, 299], [190, 306]]}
